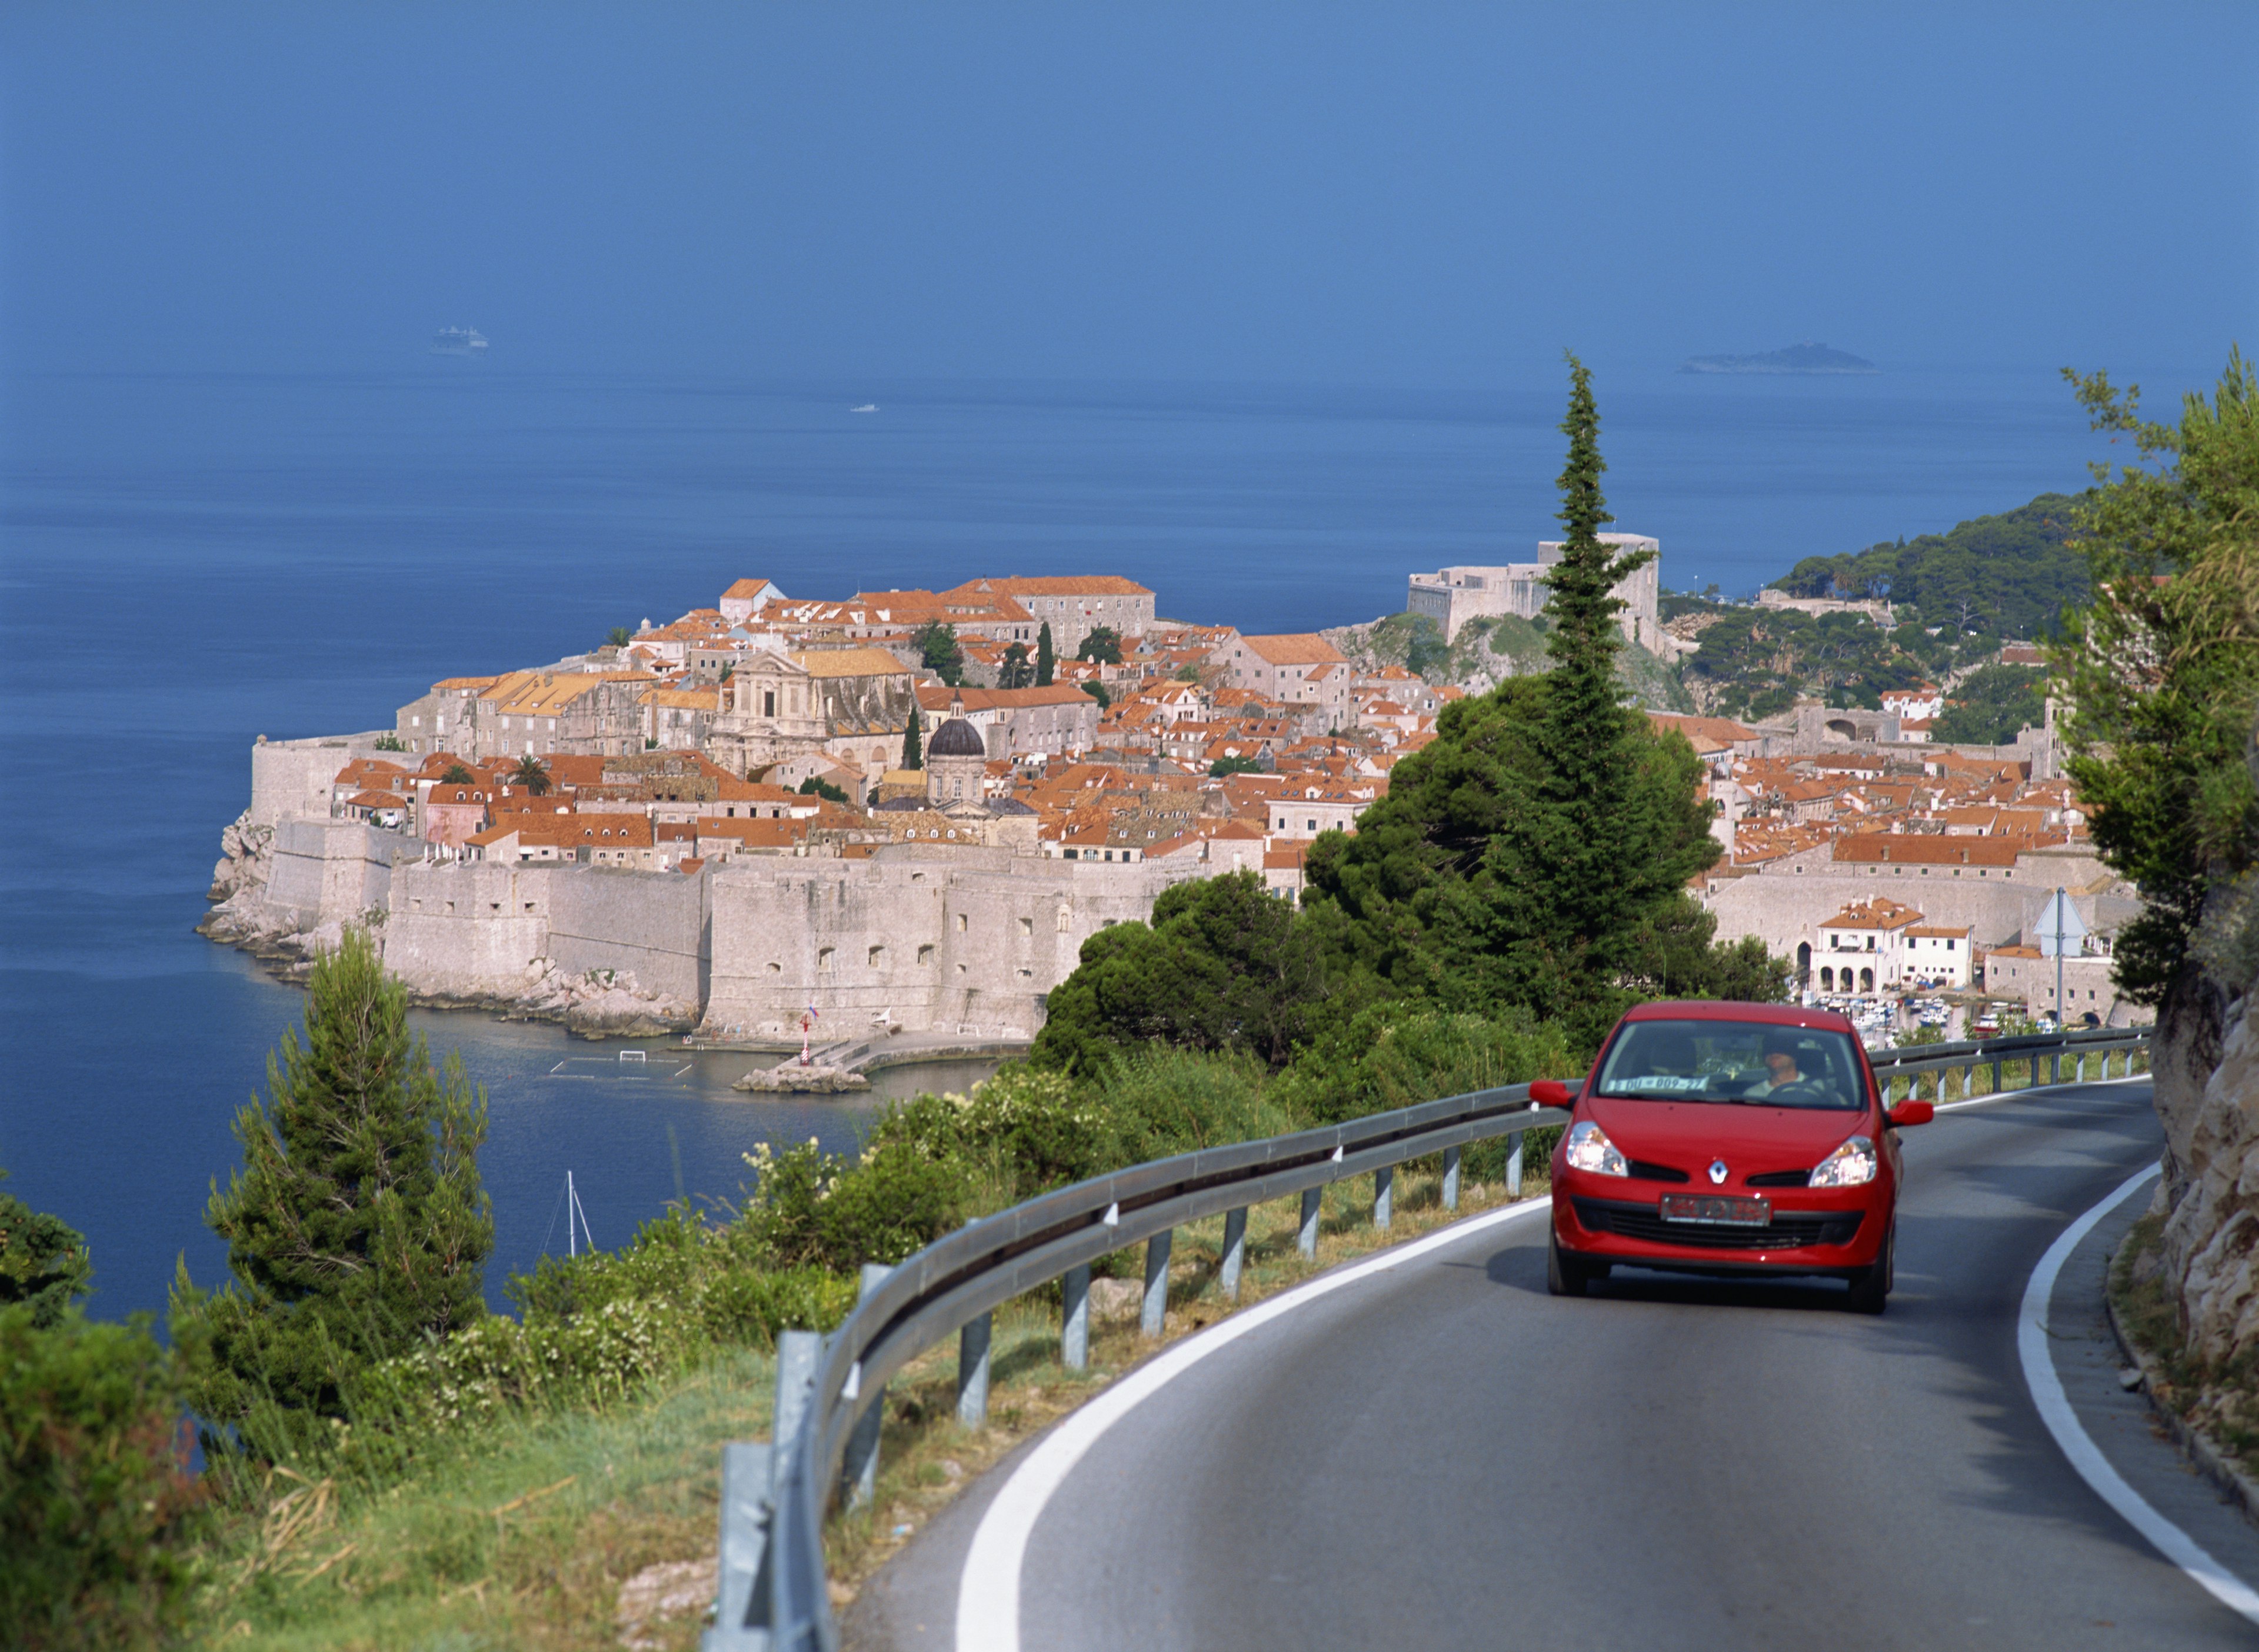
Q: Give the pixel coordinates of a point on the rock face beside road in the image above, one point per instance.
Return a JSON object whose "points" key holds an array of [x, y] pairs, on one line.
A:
{"points": [[2211, 1124]]}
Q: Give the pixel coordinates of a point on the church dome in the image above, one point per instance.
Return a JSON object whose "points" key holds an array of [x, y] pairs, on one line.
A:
{"points": [[957, 738]]}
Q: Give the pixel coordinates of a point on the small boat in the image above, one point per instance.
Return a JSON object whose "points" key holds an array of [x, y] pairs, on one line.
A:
{"points": [[459, 341], [867, 407]]}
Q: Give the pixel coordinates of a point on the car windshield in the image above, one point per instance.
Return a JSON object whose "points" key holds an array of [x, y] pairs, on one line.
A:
{"points": [[1755, 1062]]}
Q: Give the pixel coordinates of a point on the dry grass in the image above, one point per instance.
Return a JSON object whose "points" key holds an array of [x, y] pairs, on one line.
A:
{"points": [[531, 1539]]}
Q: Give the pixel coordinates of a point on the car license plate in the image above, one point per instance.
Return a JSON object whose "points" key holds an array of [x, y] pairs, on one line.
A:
{"points": [[1714, 1210]]}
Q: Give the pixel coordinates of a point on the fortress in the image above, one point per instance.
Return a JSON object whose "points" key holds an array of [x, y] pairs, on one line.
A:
{"points": [[1452, 596]]}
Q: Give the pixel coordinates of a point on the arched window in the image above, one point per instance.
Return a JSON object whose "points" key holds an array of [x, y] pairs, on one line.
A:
{"points": [[1866, 981], [1826, 978]]}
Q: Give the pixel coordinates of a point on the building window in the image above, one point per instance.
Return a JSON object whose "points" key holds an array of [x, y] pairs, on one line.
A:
{"points": [[824, 958], [878, 958]]}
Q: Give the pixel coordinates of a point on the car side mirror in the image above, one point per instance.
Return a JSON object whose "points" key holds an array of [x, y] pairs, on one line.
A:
{"points": [[1551, 1093], [1913, 1112]]}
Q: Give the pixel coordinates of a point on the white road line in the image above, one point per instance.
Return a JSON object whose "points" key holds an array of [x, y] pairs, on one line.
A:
{"points": [[988, 1589], [2055, 1410]]}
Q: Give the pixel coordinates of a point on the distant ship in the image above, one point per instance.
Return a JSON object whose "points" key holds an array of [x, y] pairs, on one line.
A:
{"points": [[867, 407], [459, 341]]}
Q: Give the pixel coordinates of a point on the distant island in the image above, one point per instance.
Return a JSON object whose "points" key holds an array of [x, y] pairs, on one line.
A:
{"points": [[1802, 358]]}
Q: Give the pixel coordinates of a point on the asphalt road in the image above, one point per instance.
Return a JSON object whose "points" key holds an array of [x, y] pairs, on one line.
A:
{"points": [[1441, 1455]]}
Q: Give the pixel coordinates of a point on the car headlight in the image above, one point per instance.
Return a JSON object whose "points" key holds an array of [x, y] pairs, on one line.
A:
{"points": [[1590, 1149], [1849, 1166]]}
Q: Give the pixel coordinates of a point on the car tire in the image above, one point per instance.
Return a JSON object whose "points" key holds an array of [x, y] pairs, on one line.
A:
{"points": [[1870, 1288], [1565, 1276]]}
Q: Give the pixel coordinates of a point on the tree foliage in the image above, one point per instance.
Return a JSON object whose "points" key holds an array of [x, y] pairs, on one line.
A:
{"points": [[1224, 765], [1992, 704], [816, 786], [937, 646], [43, 1261], [913, 741], [1103, 645], [1046, 656], [531, 775], [2013, 574], [456, 774], [1224, 964], [2161, 672], [1015, 671], [357, 1226]]}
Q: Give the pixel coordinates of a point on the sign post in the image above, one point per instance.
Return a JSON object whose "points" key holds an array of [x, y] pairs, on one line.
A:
{"points": [[2060, 930]]}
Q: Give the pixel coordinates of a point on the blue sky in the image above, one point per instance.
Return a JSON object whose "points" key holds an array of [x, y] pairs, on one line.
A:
{"points": [[1417, 195]]}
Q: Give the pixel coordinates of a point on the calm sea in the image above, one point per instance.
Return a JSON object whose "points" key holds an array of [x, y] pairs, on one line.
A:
{"points": [[190, 561]]}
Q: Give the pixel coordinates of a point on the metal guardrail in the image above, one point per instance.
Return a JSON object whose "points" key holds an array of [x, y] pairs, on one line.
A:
{"points": [[773, 1596]]}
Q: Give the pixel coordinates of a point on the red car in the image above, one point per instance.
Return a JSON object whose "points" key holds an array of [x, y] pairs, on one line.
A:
{"points": [[1716, 1138]]}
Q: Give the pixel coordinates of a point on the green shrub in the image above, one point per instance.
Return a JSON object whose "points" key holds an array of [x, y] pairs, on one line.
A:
{"points": [[43, 1260], [1034, 1128], [1164, 1101], [95, 1503], [817, 1209], [1390, 1056], [752, 1307]]}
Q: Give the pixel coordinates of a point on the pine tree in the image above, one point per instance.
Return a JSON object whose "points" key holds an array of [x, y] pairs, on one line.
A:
{"points": [[357, 1226], [913, 750], [43, 1260], [1046, 658]]}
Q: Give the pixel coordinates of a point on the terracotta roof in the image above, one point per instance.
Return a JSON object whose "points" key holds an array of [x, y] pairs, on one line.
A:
{"points": [[1293, 648], [850, 662], [1055, 585]]}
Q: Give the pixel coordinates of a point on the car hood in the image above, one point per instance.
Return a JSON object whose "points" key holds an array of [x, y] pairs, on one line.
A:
{"points": [[1690, 1134]]}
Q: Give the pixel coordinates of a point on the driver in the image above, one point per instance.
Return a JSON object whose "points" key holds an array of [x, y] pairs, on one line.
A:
{"points": [[1780, 1064]]}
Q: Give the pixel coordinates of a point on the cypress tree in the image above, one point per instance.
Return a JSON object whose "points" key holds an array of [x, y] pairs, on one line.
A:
{"points": [[1046, 657], [357, 1226], [1584, 842], [913, 750]]}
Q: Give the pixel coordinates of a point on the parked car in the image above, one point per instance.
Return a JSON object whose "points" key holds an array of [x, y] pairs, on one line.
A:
{"points": [[1728, 1138]]}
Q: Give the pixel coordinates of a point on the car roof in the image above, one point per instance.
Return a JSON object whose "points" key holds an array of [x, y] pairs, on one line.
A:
{"points": [[1730, 1009]]}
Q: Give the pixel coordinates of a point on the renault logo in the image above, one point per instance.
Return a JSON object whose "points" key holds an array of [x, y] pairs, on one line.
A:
{"points": [[1717, 1170]]}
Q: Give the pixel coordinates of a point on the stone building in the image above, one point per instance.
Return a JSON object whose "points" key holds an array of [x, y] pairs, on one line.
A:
{"points": [[853, 703], [1452, 596], [1293, 670], [956, 764], [1073, 606], [1057, 722]]}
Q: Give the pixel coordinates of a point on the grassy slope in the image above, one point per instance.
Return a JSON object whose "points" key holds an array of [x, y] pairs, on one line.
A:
{"points": [[525, 1541]]}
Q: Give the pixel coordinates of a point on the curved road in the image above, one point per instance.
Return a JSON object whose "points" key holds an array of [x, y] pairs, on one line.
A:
{"points": [[1441, 1455]]}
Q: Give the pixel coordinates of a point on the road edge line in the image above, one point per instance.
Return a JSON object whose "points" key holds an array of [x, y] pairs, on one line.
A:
{"points": [[2055, 1408], [988, 1584]]}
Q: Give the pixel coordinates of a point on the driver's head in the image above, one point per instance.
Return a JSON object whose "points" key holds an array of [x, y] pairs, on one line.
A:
{"points": [[1780, 1056]]}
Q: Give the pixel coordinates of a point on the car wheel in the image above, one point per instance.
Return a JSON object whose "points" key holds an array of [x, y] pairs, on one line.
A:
{"points": [[1870, 1290], [1565, 1276]]}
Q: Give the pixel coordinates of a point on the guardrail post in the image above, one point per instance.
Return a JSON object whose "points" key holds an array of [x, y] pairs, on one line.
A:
{"points": [[1384, 1196], [752, 1481], [1235, 1251], [1999, 1067], [747, 1514], [1155, 1307], [1514, 1168], [858, 1472], [1308, 1238], [973, 1371], [1074, 1318], [1450, 1178]]}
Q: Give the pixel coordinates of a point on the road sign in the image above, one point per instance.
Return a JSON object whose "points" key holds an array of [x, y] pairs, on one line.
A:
{"points": [[2059, 930]]}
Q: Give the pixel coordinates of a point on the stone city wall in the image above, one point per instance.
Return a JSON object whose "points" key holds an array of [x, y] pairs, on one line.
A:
{"points": [[970, 941], [329, 872]]}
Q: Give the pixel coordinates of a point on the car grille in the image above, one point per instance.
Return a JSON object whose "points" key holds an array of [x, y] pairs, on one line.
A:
{"points": [[1780, 1178], [1789, 1231], [1639, 1170]]}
